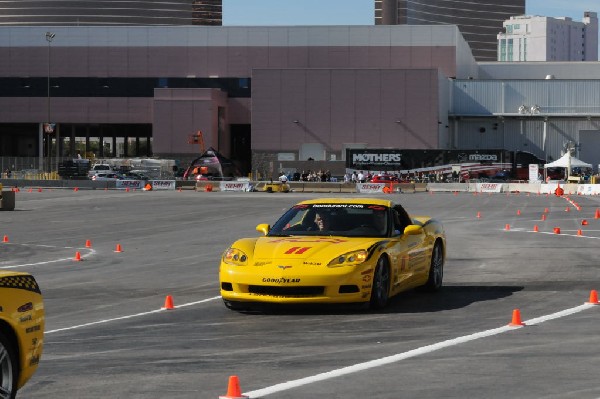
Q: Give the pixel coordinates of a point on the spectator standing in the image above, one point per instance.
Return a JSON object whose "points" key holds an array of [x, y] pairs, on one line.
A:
{"points": [[283, 178], [361, 177]]}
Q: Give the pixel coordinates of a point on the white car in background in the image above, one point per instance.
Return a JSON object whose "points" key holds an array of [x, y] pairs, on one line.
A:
{"points": [[107, 176], [100, 168]]}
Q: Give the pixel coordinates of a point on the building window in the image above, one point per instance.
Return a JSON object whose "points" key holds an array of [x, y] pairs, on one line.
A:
{"points": [[509, 50]]}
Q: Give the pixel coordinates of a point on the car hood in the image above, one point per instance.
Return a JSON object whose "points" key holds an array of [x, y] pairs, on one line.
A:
{"points": [[302, 247]]}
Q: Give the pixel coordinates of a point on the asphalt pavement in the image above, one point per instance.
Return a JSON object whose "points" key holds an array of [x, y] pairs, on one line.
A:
{"points": [[107, 335]]}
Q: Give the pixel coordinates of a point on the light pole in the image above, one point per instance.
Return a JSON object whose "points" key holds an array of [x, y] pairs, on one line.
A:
{"points": [[49, 38]]}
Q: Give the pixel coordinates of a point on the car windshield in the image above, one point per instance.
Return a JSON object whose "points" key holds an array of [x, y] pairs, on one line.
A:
{"points": [[348, 220]]}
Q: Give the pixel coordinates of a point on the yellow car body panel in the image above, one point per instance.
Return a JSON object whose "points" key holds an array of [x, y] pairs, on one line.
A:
{"points": [[272, 187], [22, 315], [295, 268]]}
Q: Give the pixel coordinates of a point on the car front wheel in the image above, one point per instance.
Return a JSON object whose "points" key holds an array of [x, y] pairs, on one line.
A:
{"points": [[436, 270], [380, 292], [8, 369]]}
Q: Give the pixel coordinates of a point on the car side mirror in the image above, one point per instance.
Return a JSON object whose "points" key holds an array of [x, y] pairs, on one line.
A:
{"points": [[263, 228], [413, 230]]}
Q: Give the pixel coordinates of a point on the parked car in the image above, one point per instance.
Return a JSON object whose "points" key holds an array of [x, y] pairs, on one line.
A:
{"points": [[135, 176], [384, 179], [100, 168], [107, 177]]}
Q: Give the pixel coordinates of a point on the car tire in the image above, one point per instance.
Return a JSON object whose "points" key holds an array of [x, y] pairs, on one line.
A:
{"points": [[436, 269], [9, 372], [380, 291]]}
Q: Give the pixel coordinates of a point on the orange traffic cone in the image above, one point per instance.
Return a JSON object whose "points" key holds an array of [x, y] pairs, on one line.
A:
{"points": [[233, 389], [516, 319], [594, 298], [507, 227], [76, 189], [545, 210], [584, 222], [579, 232], [543, 216], [597, 215], [5, 239], [567, 209], [478, 215], [88, 244], [169, 303], [536, 229], [518, 212], [557, 230], [77, 256], [39, 190], [118, 249]]}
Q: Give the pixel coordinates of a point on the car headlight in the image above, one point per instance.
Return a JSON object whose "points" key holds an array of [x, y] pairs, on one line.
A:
{"points": [[349, 259], [234, 256]]}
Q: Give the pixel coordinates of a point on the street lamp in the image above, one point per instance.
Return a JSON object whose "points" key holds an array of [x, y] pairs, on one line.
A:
{"points": [[49, 37]]}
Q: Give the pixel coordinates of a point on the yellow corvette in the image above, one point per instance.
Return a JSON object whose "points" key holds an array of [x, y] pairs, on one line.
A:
{"points": [[21, 330], [335, 250]]}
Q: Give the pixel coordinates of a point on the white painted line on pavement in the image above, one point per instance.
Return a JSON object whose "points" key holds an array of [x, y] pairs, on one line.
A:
{"points": [[406, 355], [46, 262], [131, 316]]}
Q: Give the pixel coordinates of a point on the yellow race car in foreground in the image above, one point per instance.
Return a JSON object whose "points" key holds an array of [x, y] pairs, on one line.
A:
{"points": [[334, 250], [21, 330]]}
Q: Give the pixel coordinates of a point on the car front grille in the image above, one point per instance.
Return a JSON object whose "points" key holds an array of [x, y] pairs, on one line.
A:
{"points": [[309, 291]]}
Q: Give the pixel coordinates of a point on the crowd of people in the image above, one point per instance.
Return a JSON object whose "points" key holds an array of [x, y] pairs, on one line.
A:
{"points": [[309, 176], [369, 176]]}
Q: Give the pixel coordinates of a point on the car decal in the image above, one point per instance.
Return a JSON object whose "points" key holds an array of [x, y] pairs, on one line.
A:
{"points": [[297, 250], [27, 283], [312, 239], [281, 280]]}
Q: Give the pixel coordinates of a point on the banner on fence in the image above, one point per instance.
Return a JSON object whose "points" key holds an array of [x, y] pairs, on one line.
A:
{"points": [[489, 187], [162, 184], [234, 186], [370, 188]]}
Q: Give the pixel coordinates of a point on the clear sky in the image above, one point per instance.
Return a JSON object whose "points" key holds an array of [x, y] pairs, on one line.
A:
{"points": [[359, 12]]}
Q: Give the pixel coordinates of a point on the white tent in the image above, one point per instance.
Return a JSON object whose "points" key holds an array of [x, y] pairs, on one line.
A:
{"points": [[567, 161]]}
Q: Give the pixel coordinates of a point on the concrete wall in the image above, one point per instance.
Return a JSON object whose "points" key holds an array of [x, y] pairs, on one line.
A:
{"points": [[385, 108]]}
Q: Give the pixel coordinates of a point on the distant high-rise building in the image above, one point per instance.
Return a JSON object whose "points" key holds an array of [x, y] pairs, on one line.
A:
{"points": [[110, 12], [207, 12], [535, 38], [479, 22]]}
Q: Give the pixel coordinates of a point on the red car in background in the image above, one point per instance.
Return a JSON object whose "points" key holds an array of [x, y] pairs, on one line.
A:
{"points": [[384, 179]]}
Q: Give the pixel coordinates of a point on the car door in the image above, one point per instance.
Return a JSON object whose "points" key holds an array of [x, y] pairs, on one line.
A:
{"points": [[413, 255]]}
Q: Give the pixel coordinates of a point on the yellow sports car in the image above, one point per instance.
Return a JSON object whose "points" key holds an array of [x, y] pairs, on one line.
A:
{"points": [[21, 330], [335, 250]]}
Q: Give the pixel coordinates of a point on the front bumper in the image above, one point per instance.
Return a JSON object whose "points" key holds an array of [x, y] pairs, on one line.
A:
{"points": [[349, 284]]}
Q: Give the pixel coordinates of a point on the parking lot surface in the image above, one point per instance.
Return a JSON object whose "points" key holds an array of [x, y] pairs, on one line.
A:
{"points": [[107, 335]]}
